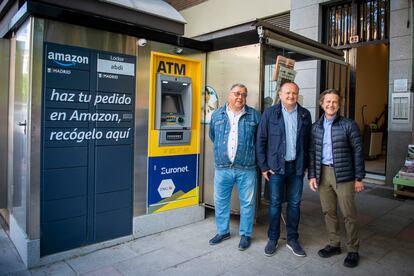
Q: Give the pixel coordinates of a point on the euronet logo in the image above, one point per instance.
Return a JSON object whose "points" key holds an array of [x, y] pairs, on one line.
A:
{"points": [[67, 60], [183, 169]]}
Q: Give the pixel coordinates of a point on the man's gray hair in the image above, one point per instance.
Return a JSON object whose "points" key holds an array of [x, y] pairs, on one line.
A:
{"points": [[238, 85]]}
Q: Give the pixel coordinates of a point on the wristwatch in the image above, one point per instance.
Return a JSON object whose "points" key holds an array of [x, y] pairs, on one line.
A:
{"points": [[359, 179]]}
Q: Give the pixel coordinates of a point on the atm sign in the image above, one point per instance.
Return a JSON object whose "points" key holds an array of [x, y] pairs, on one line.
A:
{"points": [[168, 67]]}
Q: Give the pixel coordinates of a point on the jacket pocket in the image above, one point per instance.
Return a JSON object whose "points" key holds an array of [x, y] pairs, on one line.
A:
{"points": [[247, 129], [219, 128], [275, 129]]}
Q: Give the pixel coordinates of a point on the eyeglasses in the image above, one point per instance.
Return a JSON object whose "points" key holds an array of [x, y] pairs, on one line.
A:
{"points": [[239, 94]]}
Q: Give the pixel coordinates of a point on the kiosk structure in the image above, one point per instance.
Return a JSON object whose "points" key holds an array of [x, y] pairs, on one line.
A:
{"points": [[87, 164]]}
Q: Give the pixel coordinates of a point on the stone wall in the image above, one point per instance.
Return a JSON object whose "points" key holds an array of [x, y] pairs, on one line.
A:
{"points": [[305, 18]]}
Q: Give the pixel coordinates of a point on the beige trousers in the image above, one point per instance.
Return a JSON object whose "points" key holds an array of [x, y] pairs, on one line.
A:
{"points": [[342, 194]]}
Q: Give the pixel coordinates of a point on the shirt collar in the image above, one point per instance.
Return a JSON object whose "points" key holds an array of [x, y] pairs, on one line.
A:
{"points": [[326, 120], [242, 111], [294, 109]]}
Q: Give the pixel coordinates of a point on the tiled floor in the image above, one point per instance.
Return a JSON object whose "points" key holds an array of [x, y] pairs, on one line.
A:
{"points": [[387, 247]]}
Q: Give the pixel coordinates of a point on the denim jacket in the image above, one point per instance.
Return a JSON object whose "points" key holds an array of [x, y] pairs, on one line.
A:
{"points": [[219, 134]]}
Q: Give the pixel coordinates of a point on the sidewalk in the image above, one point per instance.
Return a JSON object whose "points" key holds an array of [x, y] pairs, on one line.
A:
{"points": [[387, 247]]}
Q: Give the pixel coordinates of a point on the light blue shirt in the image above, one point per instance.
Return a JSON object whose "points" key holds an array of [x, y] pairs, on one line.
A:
{"points": [[327, 157], [291, 129]]}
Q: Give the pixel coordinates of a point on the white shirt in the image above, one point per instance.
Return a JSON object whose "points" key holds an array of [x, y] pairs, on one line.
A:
{"points": [[234, 130]]}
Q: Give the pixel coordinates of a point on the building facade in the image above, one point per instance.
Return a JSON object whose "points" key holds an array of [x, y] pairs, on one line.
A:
{"points": [[376, 38], [389, 53]]}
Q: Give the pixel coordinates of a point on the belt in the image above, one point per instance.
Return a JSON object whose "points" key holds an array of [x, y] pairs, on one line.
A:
{"points": [[290, 161], [328, 165]]}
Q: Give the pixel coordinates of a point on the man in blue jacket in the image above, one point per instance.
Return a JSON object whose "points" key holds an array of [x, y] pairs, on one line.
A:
{"points": [[233, 133], [282, 150], [336, 169]]}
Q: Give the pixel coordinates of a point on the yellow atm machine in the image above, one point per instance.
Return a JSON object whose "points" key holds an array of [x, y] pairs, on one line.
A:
{"points": [[174, 132]]}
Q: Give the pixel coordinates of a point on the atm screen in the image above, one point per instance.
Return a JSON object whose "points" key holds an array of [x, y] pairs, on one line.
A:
{"points": [[171, 104]]}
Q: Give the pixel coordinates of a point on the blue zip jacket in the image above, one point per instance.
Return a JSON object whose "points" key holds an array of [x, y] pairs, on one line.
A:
{"points": [[219, 134], [271, 140]]}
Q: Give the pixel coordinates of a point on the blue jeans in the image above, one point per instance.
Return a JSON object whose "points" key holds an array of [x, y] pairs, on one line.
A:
{"points": [[246, 181], [285, 187]]}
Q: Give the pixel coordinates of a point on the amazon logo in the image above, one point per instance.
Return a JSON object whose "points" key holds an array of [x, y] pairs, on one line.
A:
{"points": [[67, 60]]}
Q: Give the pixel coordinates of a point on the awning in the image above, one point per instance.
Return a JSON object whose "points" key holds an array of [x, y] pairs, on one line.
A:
{"points": [[150, 15], [157, 8], [282, 38]]}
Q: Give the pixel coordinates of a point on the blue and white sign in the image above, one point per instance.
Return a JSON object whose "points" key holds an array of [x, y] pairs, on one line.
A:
{"points": [[171, 177]]}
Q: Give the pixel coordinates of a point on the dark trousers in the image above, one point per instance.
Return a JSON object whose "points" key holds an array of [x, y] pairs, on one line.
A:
{"points": [[287, 187]]}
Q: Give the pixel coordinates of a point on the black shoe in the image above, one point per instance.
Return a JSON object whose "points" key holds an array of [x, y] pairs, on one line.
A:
{"points": [[351, 259], [296, 249], [244, 242], [329, 251], [219, 238], [270, 248]]}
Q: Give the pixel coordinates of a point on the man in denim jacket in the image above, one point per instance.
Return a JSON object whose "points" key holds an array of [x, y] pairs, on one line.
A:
{"points": [[282, 151], [233, 132]]}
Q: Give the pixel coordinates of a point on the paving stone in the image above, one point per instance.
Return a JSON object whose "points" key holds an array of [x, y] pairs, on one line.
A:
{"points": [[199, 246], [400, 260], [308, 206], [215, 263], [389, 243], [323, 267], [409, 201], [101, 258], [9, 259], [147, 244], [23, 272], [405, 210], [58, 269], [255, 267], [364, 219], [318, 237], [407, 234], [151, 263], [369, 205], [365, 233], [372, 251], [312, 220], [389, 225], [107, 271]]}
